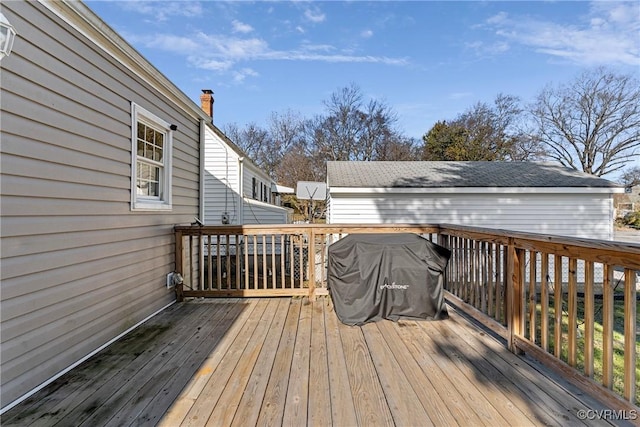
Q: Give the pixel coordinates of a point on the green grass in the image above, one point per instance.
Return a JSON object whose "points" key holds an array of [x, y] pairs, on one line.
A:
{"points": [[618, 339]]}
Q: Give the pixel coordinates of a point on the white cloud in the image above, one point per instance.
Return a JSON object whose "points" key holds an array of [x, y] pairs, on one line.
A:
{"points": [[240, 27], [240, 75], [494, 48], [314, 15], [166, 42], [223, 53], [607, 35], [317, 47], [210, 64], [236, 53], [366, 34], [162, 10]]}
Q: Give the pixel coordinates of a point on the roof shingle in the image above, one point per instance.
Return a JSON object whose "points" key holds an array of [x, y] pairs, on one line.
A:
{"points": [[419, 174]]}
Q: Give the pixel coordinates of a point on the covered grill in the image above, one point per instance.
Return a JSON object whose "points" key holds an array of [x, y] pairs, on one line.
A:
{"points": [[387, 276]]}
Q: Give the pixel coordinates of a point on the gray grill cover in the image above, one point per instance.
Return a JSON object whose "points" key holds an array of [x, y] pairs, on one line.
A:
{"points": [[387, 276]]}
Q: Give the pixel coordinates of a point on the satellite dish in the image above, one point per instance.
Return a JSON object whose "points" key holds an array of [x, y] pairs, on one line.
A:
{"points": [[308, 190]]}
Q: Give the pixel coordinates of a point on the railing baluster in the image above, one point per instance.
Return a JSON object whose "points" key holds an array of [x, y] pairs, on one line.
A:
{"points": [[282, 260], [573, 312], [630, 334], [544, 301], [209, 262], [465, 273], [189, 278], [301, 260], [312, 265], [483, 276], [201, 278], [533, 309], [264, 262], [490, 281], [273, 261], [557, 304], [589, 314], [607, 327], [292, 262], [238, 259], [227, 254], [246, 262], [218, 264], [504, 279], [455, 270]]}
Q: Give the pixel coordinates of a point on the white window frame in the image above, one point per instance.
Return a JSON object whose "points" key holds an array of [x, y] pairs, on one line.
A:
{"points": [[163, 201]]}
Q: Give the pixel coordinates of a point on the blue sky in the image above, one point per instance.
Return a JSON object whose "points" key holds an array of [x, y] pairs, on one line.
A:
{"points": [[427, 60]]}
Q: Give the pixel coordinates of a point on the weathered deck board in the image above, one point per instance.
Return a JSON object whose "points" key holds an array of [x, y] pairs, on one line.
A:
{"points": [[249, 407], [199, 379], [548, 402], [273, 402], [295, 408], [319, 386], [343, 414], [285, 361], [404, 404]]}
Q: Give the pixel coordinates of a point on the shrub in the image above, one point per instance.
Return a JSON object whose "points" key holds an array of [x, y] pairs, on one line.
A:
{"points": [[632, 219]]}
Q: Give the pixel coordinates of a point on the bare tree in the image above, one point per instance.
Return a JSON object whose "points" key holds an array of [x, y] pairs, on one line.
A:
{"points": [[286, 133], [631, 177], [591, 124], [353, 129], [252, 140]]}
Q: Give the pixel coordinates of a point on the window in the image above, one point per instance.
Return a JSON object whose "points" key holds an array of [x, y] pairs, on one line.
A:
{"points": [[254, 185], [151, 142]]}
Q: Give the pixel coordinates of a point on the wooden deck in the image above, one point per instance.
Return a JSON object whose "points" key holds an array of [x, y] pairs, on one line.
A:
{"points": [[287, 361]]}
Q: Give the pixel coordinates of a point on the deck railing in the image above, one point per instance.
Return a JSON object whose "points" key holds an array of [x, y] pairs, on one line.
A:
{"points": [[570, 303]]}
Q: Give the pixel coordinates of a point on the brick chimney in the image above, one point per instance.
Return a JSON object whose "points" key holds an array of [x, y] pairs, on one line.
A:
{"points": [[206, 102]]}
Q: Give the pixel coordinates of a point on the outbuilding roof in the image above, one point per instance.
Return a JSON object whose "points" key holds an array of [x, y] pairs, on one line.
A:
{"points": [[419, 174]]}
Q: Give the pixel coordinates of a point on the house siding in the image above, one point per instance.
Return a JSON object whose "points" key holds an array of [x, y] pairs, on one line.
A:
{"points": [[261, 213], [225, 193], [78, 267], [221, 176], [578, 215]]}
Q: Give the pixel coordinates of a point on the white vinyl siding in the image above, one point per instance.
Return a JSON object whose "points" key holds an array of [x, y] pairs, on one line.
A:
{"points": [[221, 174], [77, 266], [578, 215], [256, 212], [229, 187]]}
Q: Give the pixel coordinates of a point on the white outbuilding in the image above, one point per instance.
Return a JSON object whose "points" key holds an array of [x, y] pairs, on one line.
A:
{"points": [[522, 196]]}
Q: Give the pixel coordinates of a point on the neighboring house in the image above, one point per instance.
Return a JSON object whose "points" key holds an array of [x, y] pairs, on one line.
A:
{"points": [[522, 196], [627, 202], [236, 190], [101, 158]]}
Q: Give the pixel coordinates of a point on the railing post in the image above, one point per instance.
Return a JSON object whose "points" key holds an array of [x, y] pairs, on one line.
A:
{"points": [[178, 262], [515, 294], [312, 264]]}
